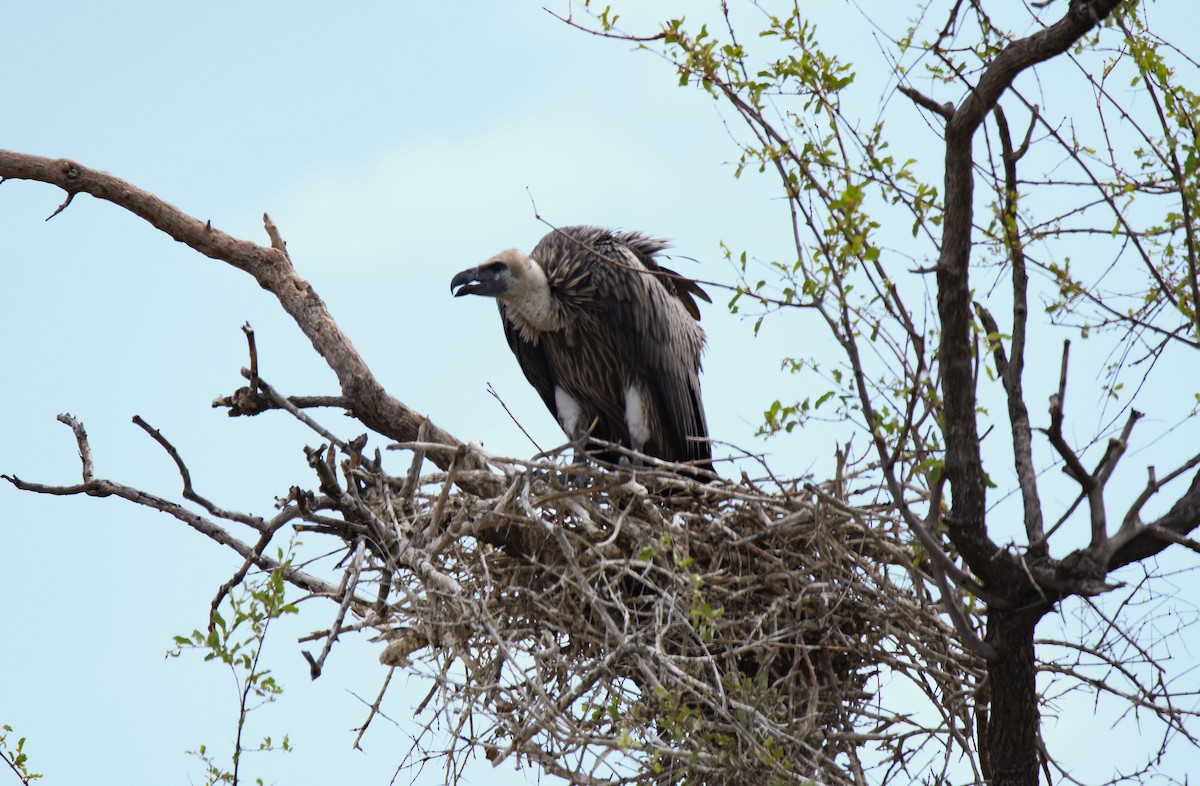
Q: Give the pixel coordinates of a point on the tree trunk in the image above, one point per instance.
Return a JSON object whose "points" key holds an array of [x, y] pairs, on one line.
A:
{"points": [[1012, 731]]}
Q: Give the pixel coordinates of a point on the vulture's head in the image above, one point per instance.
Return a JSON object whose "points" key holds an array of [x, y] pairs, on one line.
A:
{"points": [[504, 276], [512, 277]]}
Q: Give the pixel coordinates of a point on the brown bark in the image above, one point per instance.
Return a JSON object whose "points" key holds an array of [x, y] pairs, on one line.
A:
{"points": [[1172, 527], [1012, 726], [270, 266], [1012, 729], [964, 464]]}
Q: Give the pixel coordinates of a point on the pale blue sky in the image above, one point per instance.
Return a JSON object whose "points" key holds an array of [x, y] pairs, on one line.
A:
{"points": [[393, 144]]}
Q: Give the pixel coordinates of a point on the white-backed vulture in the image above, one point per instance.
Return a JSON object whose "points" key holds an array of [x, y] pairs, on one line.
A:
{"points": [[608, 338]]}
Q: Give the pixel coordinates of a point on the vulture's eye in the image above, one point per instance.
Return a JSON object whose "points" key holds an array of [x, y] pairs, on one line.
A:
{"points": [[496, 268]]}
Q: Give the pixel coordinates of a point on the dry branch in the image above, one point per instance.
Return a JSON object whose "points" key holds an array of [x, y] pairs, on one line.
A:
{"points": [[651, 629], [703, 631], [268, 265]]}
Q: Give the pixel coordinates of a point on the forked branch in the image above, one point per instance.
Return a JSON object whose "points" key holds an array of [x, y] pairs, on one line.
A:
{"points": [[97, 487], [268, 265]]}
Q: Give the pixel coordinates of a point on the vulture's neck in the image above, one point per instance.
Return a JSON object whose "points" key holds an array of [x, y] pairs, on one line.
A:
{"points": [[533, 301]]}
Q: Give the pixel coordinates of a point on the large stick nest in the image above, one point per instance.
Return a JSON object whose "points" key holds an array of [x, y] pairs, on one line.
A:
{"points": [[610, 627]]}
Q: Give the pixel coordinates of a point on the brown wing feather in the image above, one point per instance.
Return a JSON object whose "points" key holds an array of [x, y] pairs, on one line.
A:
{"points": [[532, 360], [640, 324]]}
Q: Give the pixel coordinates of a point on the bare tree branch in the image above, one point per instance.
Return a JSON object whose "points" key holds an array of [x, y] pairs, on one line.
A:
{"points": [[964, 464], [270, 268], [106, 488]]}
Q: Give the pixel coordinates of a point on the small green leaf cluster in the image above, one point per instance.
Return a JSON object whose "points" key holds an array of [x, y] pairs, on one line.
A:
{"points": [[238, 640], [15, 756], [680, 720], [702, 615], [835, 174], [235, 637]]}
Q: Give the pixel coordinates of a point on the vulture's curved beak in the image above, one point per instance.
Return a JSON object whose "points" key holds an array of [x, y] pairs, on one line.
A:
{"points": [[477, 281]]}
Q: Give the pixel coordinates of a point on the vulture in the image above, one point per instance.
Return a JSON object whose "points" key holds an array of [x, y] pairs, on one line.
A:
{"points": [[608, 338]]}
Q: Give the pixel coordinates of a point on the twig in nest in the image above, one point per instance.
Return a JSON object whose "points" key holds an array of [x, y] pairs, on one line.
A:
{"points": [[349, 585], [374, 708], [496, 396], [294, 411]]}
